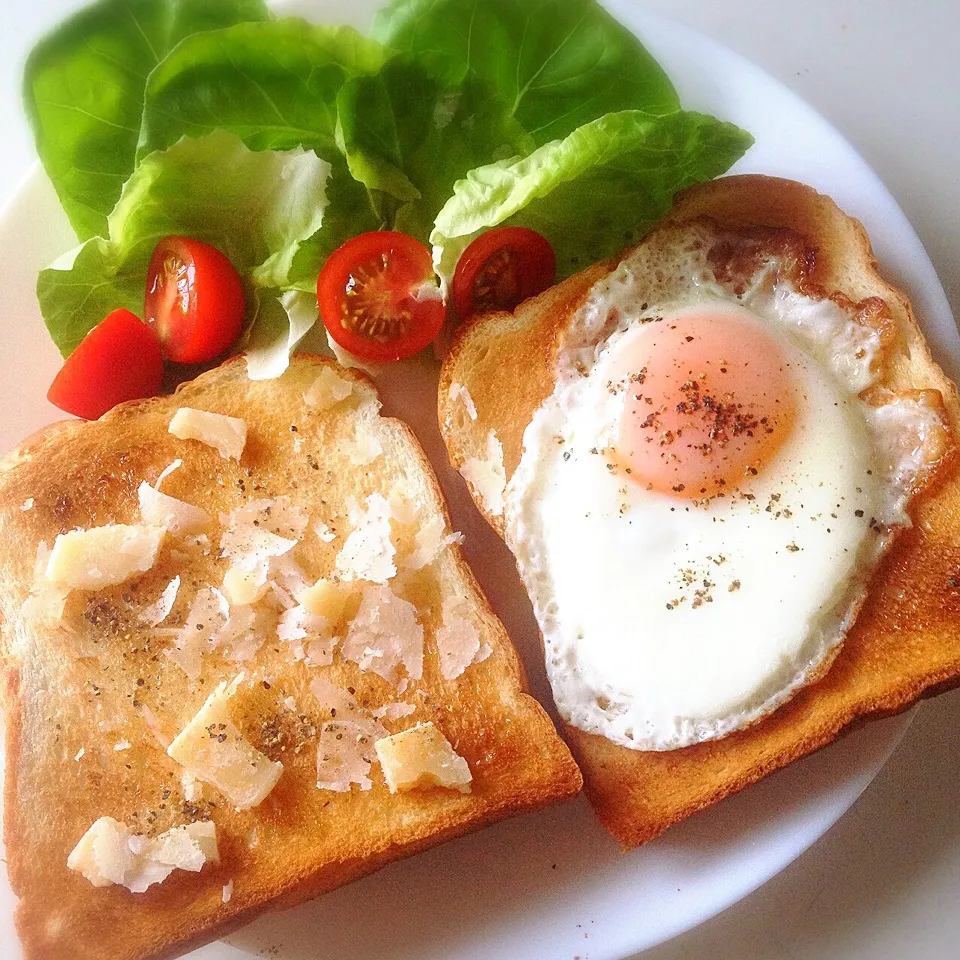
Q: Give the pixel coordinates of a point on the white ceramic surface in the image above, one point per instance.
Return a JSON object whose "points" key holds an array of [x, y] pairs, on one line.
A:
{"points": [[551, 885]]}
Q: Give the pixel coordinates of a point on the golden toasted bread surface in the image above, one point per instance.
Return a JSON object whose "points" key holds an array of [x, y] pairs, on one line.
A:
{"points": [[905, 643], [92, 699]]}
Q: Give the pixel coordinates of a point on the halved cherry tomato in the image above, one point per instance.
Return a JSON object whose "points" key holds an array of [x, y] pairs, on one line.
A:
{"points": [[119, 359], [194, 300], [377, 296], [501, 269]]}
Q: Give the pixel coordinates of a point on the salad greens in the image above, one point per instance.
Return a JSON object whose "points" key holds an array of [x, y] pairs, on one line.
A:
{"points": [[554, 64], [594, 192], [278, 140], [258, 216], [83, 91]]}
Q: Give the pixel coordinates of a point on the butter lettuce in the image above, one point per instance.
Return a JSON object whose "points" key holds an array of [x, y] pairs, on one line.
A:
{"points": [[409, 134], [273, 84], [83, 91], [593, 192], [278, 140], [555, 64], [259, 215]]}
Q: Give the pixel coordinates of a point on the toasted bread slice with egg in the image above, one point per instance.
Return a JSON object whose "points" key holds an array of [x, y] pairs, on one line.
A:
{"points": [[904, 644], [217, 732]]}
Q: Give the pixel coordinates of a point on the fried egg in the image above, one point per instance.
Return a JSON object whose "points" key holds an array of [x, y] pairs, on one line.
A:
{"points": [[700, 502]]}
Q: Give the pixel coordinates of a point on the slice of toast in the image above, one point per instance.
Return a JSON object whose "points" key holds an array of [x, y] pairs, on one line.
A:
{"points": [[92, 699], [905, 644]]}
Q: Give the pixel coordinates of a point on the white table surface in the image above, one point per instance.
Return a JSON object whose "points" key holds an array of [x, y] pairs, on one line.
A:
{"points": [[884, 883]]}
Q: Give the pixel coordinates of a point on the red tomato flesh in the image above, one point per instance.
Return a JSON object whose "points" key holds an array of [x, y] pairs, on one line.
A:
{"points": [[377, 296], [501, 269], [119, 359], [194, 300]]}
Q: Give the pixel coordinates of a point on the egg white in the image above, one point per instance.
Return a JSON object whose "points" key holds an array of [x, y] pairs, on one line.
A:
{"points": [[666, 621]]}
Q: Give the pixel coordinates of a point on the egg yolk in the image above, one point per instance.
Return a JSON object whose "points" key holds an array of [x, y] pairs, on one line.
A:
{"points": [[709, 399]]}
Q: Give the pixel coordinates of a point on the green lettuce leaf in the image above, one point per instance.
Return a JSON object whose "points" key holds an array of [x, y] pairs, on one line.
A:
{"points": [[83, 92], [557, 64], [409, 135], [283, 320], [258, 216], [592, 193], [272, 84]]}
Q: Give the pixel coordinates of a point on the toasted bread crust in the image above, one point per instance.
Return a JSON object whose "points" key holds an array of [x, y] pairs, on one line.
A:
{"points": [[311, 841], [904, 645]]}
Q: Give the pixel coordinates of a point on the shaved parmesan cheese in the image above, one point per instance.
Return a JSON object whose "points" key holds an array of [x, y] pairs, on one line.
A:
{"points": [[364, 448], [368, 553], [338, 701], [323, 532], [208, 613], [288, 574], [345, 752], [327, 598], [385, 635], [192, 788], [319, 653], [280, 516], [458, 641], [122, 745], [47, 598], [103, 556], [248, 545], [227, 435], [243, 586], [243, 633], [394, 711], [422, 757], [110, 853], [166, 471], [227, 893], [177, 516], [212, 749], [157, 612], [298, 623], [488, 476], [79, 755], [327, 390], [459, 392], [429, 541], [27, 504]]}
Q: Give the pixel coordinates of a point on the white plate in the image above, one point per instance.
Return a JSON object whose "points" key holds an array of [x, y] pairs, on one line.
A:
{"points": [[550, 885]]}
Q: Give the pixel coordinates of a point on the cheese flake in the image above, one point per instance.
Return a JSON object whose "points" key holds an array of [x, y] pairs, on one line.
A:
{"points": [[156, 613], [364, 448], [47, 598], [213, 749], [177, 516], [208, 613], [368, 553], [227, 435], [429, 541], [458, 641], [339, 702], [345, 753], [385, 635], [103, 556], [422, 757], [458, 392], [110, 853], [488, 476], [327, 599], [327, 390], [394, 711]]}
